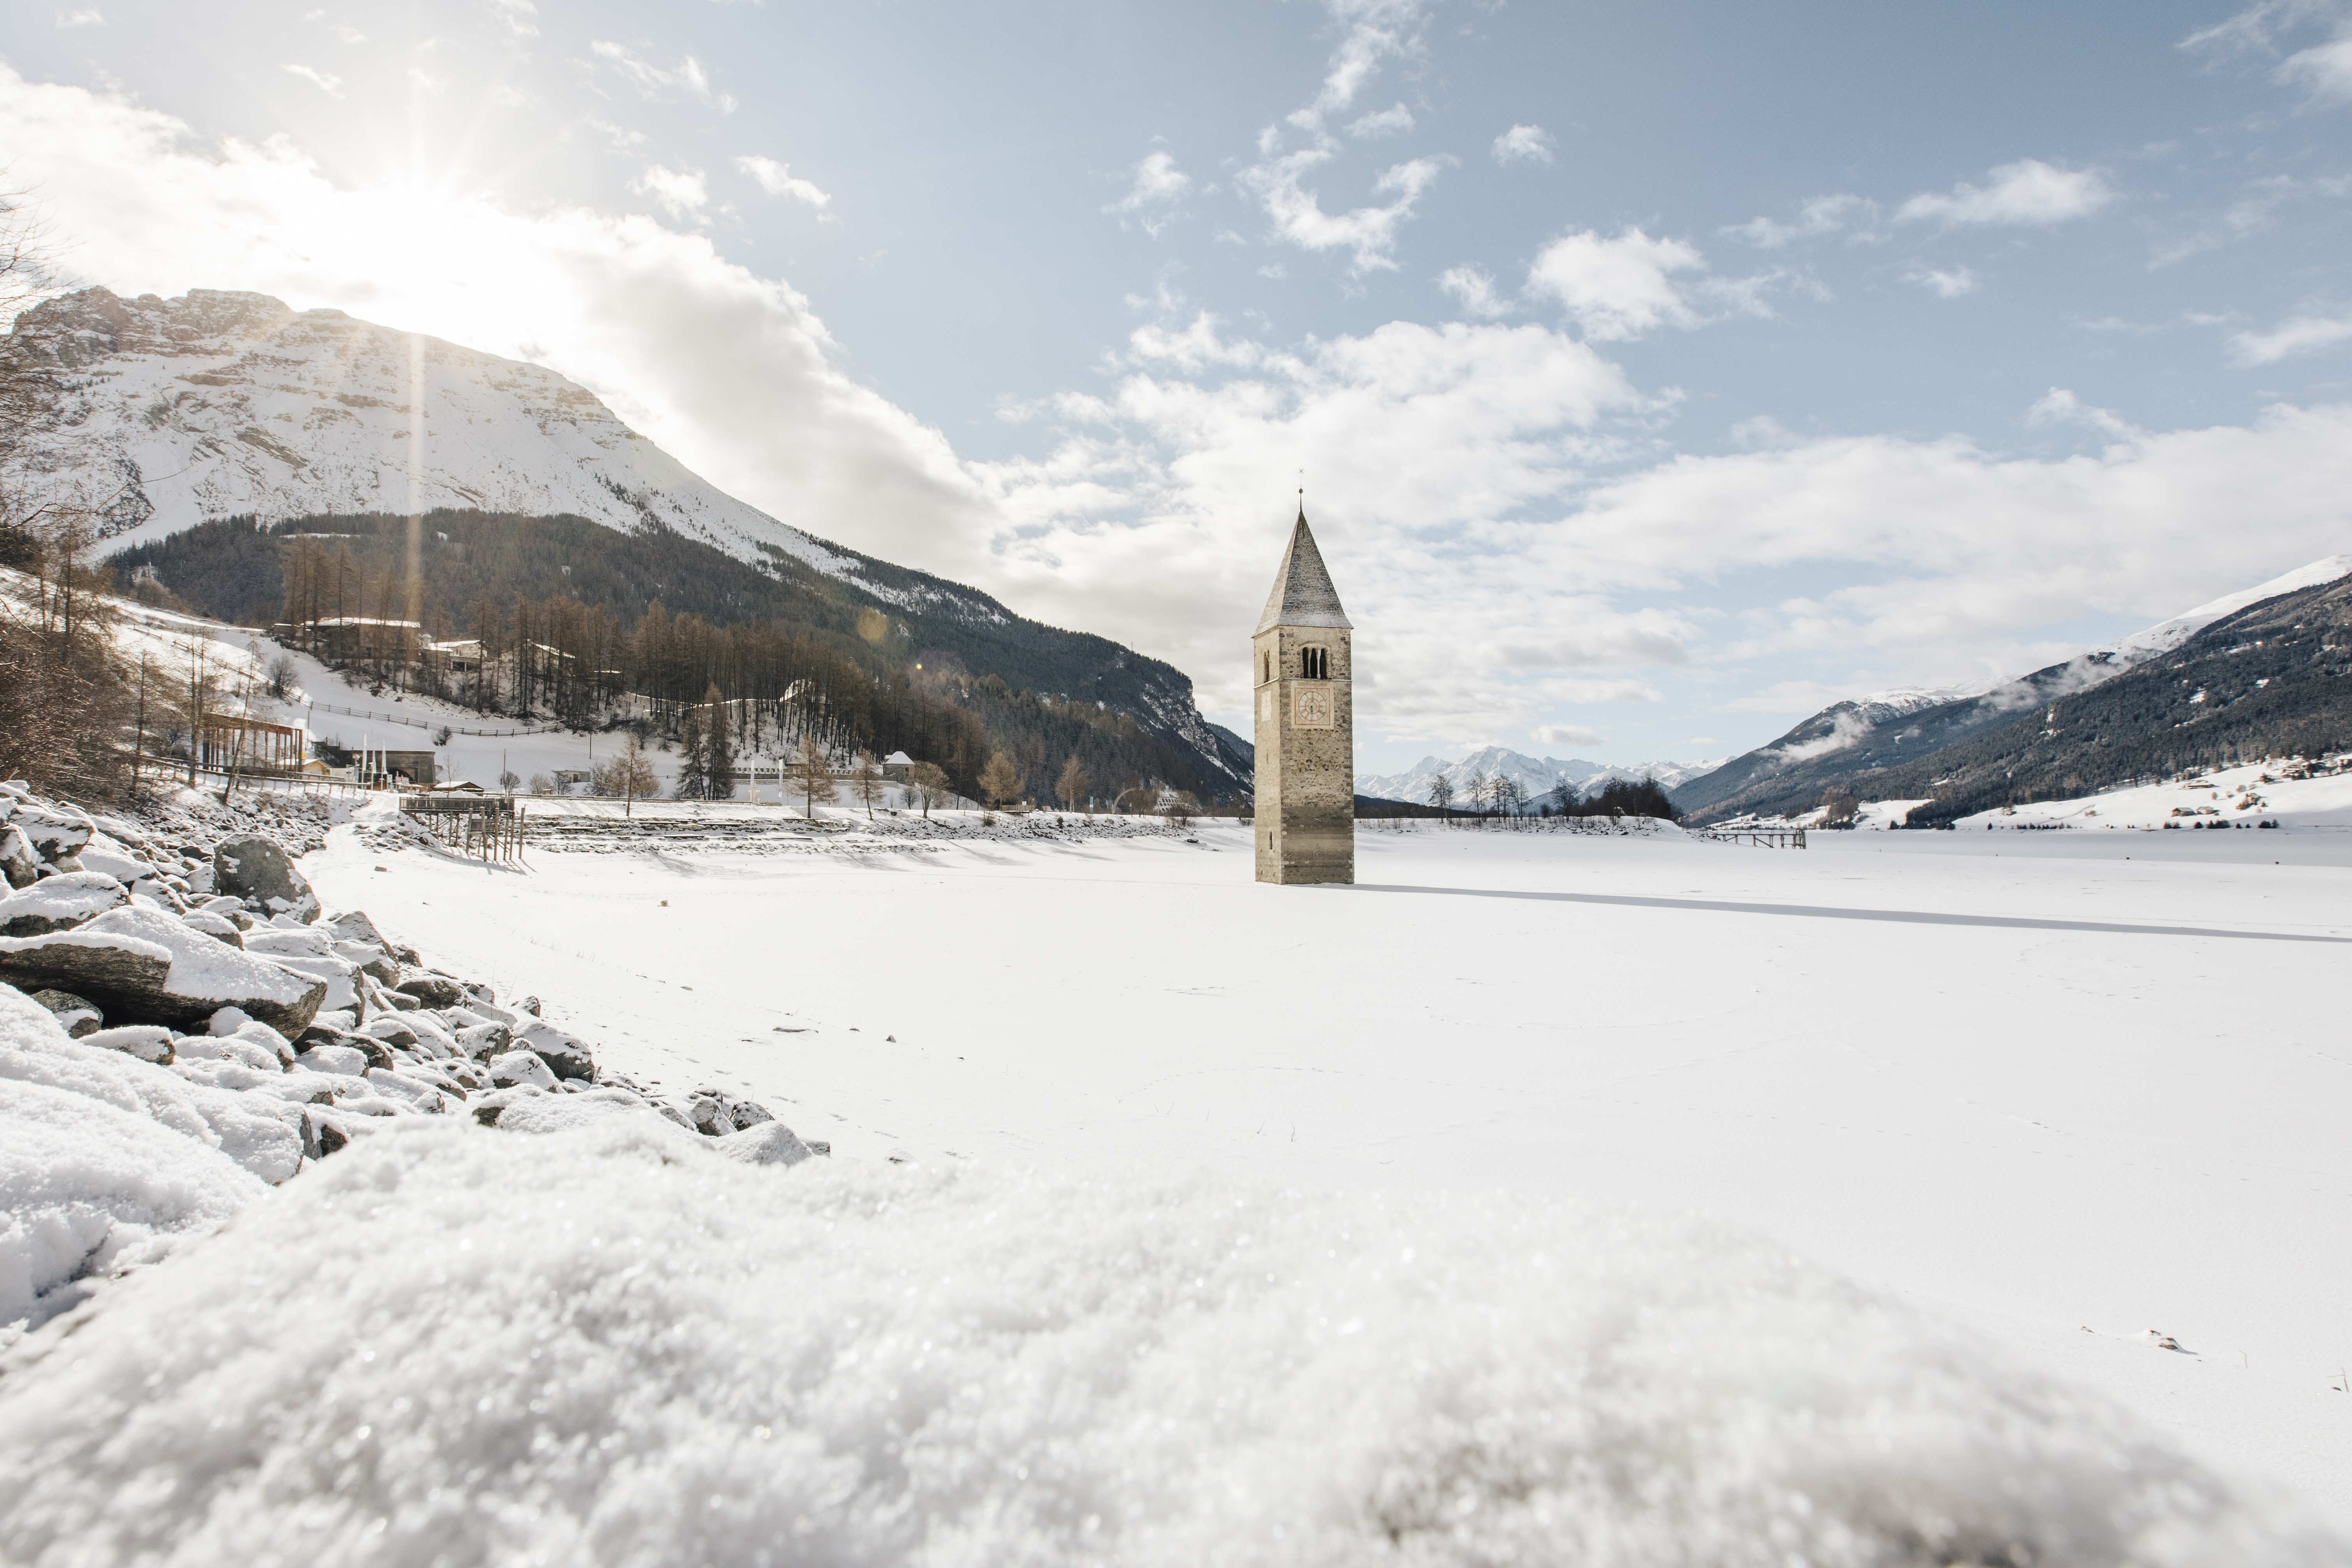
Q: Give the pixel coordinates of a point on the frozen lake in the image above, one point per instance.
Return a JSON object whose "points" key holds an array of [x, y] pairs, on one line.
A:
{"points": [[2064, 1096]]}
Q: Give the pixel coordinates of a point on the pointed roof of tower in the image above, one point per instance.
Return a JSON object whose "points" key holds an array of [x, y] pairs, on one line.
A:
{"points": [[1303, 595]]}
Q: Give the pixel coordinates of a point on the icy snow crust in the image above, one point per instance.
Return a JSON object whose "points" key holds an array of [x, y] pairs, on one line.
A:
{"points": [[645, 1353]]}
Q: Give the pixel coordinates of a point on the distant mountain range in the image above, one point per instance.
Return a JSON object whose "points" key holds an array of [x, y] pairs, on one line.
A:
{"points": [[1535, 776], [2168, 697], [172, 416]]}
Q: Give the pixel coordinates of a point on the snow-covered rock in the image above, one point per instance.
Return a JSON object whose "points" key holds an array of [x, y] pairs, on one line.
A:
{"points": [[250, 867], [567, 1055], [763, 1144], [60, 903], [204, 975], [511, 1069]]}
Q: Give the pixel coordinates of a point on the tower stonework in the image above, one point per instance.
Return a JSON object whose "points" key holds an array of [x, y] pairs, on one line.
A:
{"points": [[1304, 675]]}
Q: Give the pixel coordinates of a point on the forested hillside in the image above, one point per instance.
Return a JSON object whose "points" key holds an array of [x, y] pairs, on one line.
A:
{"points": [[948, 677]]}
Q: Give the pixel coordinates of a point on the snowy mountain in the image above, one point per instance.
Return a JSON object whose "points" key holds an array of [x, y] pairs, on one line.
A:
{"points": [[1534, 775], [170, 412], [1892, 730]]}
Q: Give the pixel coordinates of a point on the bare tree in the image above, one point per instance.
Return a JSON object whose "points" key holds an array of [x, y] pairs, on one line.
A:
{"points": [[1071, 789], [1180, 809], [930, 781], [630, 775], [814, 769], [1441, 794], [998, 780], [866, 781]]}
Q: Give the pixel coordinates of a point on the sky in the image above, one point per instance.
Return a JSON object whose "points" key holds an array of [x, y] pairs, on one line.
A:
{"points": [[1656, 373]]}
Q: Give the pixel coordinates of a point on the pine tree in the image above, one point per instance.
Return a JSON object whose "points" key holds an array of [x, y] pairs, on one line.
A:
{"points": [[718, 750], [691, 778]]}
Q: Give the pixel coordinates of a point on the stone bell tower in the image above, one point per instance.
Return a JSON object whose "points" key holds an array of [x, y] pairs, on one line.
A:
{"points": [[1305, 723]]}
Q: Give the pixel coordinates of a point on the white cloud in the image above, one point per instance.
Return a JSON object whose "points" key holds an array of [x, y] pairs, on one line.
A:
{"points": [[1523, 144], [522, 17], [1565, 735], [333, 85], [1945, 284], [777, 180], [653, 81], [348, 34], [1617, 288], [1818, 216], [1761, 432], [82, 16], [1368, 232], [681, 193], [1390, 121], [1157, 186], [2026, 192], [622, 138], [1473, 288], [2324, 70], [2301, 335], [1375, 31], [2060, 406]]}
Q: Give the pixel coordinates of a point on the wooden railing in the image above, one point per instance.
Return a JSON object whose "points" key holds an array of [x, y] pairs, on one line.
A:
{"points": [[1760, 838]]}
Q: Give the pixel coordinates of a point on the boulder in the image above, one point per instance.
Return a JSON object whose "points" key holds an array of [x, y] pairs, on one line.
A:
{"points": [[483, 1041], [18, 862], [148, 1042], [218, 927], [390, 1030], [769, 1144], [516, 1067], [79, 1016], [249, 867], [114, 972], [376, 1053], [715, 1114], [344, 1060], [354, 926], [566, 1056], [60, 903], [124, 868], [55, 837], [490, 1108], [429, 988], [111, 961]]}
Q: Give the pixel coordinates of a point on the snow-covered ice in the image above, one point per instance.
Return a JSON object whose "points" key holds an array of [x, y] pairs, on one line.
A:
{"points": [[1925, 1060]]}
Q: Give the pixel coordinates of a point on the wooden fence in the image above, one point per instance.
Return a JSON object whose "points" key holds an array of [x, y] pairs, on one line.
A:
{"points": [[1760, 838]]}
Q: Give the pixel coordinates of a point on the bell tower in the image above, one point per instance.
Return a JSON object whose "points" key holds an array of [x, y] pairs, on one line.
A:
{"points": [[1303, 676]]}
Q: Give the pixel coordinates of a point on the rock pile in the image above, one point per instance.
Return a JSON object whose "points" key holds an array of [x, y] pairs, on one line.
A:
{"points": [[192, 978]]}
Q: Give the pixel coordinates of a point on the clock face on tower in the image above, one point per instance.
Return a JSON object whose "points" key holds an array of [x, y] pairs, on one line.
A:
{"points": [[1311, 707]]}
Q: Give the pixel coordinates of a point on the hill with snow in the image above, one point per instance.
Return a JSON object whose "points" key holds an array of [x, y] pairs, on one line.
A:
{"points": [[1838, 746]]}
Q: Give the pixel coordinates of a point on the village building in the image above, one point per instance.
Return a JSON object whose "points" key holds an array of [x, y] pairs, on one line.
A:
{"points": [[1303, 676]]}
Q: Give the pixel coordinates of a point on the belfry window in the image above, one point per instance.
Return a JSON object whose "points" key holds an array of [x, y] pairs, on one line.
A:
{"points": [[1315, 663], [1269, 666]]}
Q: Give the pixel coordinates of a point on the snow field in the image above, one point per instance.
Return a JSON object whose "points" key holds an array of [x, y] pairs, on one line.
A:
{"points": [[2039, 1129], [644, 1352]]}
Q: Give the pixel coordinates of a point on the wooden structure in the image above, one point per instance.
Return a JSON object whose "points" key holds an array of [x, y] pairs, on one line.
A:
{"points": [[1760, 838], [238, 742], [488, 827]]}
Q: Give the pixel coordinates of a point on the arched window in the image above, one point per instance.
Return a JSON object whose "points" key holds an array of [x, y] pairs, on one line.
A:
{"points": [[1269, 666], [1315, 663]]}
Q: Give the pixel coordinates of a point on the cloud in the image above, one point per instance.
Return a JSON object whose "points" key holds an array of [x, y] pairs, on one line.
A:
{"points": [[2324, 70], [1617, 288], [2301, 335], [653, 81], [1473, 288], [777, 180], [2060, 406], [1944, 284], [681, 193], [1817, 216], [1369, 232], [83, 16], [1374, 32], [1157, 186], [1523, 144], [1565, 735], [522, 17], [2026, 192], [333, 85], [1390, 121]]}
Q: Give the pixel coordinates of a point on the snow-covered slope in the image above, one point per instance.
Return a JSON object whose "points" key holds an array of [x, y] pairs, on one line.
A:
{"points": [[1534, 775], [219, 405]]}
